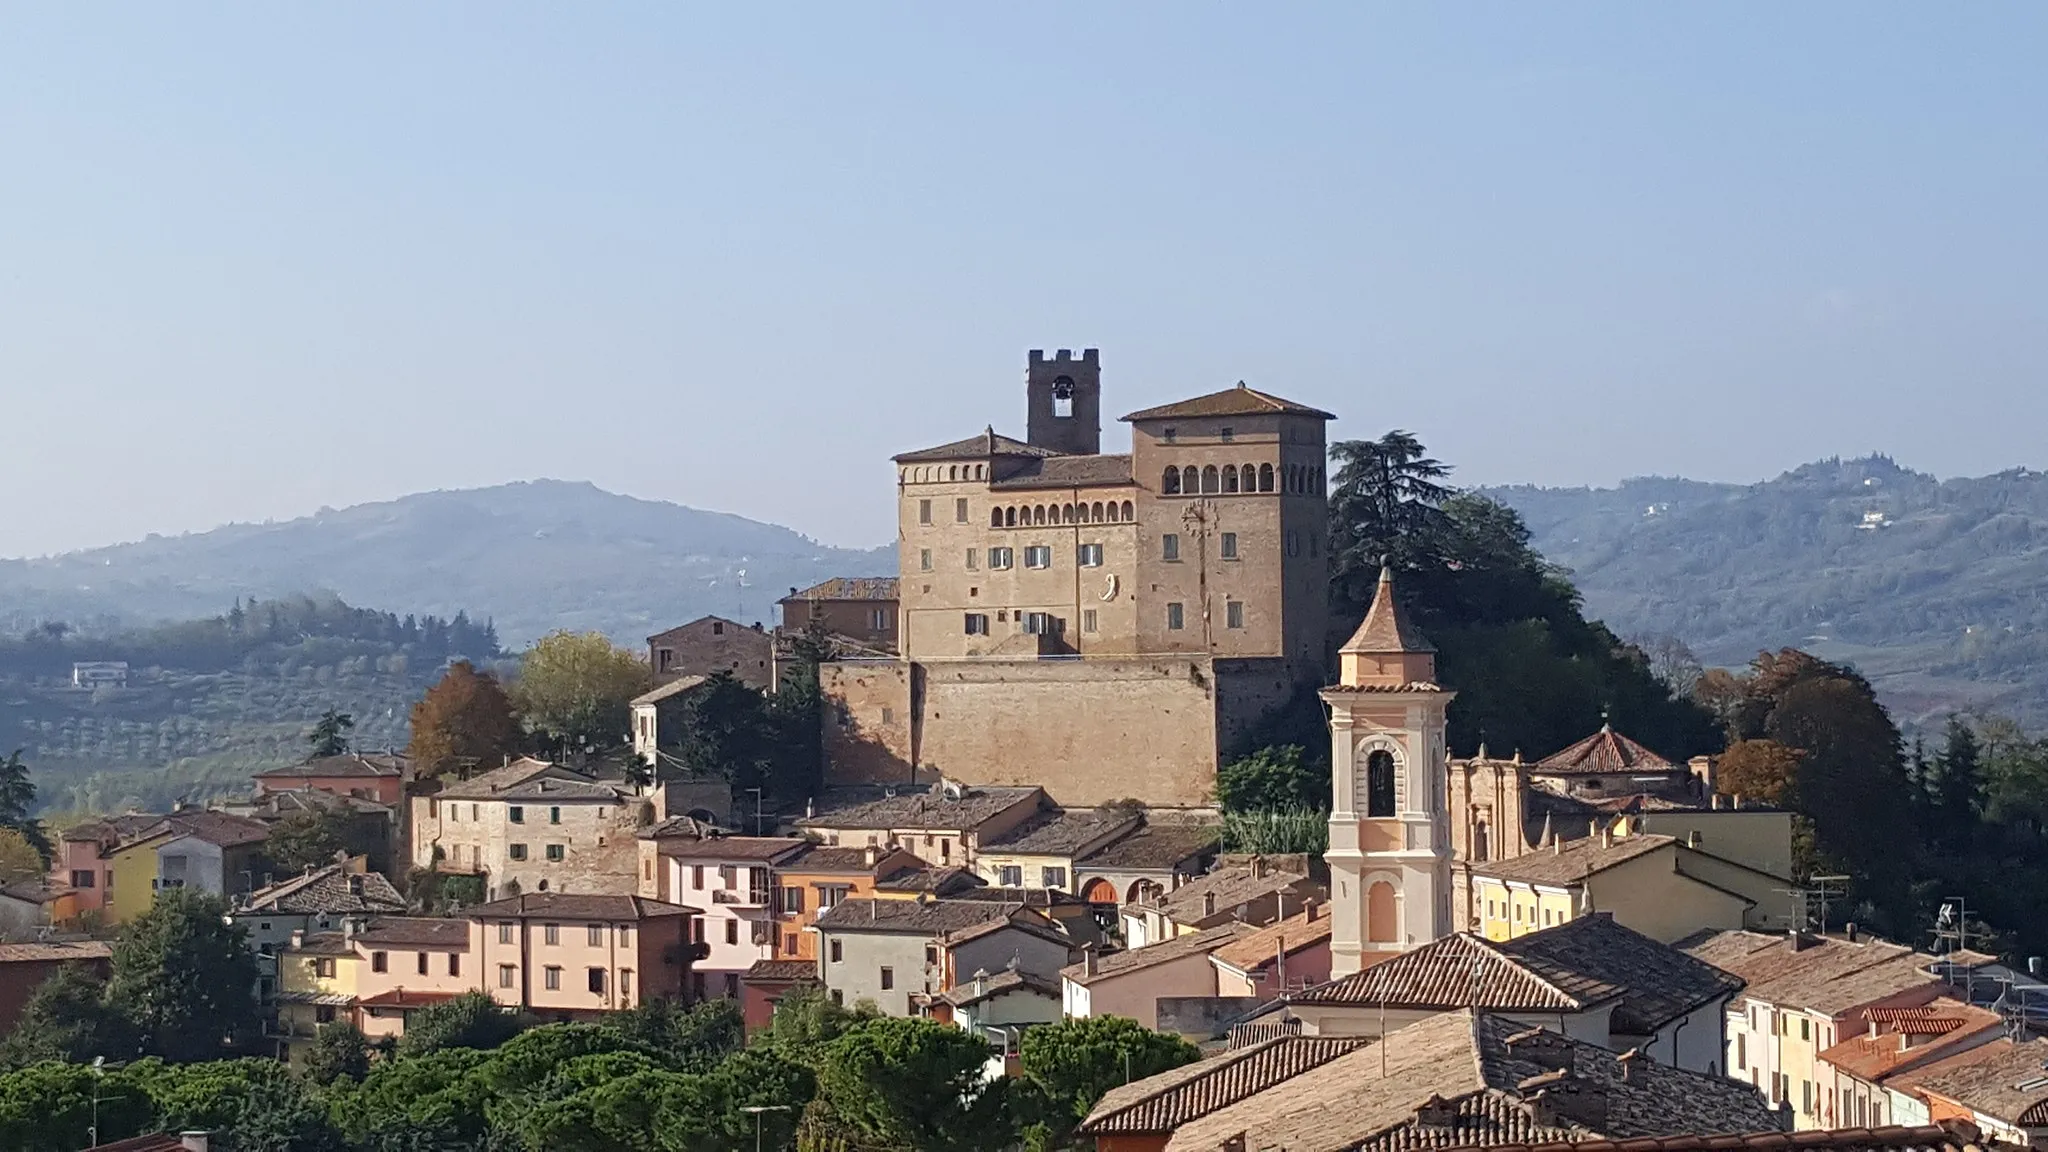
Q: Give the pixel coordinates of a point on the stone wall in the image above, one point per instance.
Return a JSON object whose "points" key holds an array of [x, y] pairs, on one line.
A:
{"points": [[714, 644]]}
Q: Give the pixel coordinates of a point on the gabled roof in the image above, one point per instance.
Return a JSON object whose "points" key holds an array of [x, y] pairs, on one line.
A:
{"points": [[675, 687], [949, 880], [348, 764], [1947, 1136], [1464, 971], [850, 588], [1938, 1029], [933, 809], [1605, 752], [1569, 862], [115, 830], [414, 932], [970, 991], [978, 447], [576, 907], [933, 918], [1139, 959], [1233, 887], [1060, 833], [329, 890], [1164, 1102], [1155, 847], [1291, 936], [2001, 1079], [1818, 973], [539, 781], [1066, 472], [737, 627], [1658, 983], [401, 999], [768, 849], [53, 951], [1239, 401], [218, 828], [782, 971], [851, 861], [1386, 629]]}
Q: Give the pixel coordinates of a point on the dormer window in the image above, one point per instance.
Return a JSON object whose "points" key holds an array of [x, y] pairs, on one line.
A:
{"points": [[1169, 434], [1229, 434]]}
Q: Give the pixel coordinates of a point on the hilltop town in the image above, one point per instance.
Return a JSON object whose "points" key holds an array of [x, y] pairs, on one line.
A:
{"points": [[1033, 829]]}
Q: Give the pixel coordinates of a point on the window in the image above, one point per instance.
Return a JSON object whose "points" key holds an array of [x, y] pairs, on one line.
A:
{"points": [[595, 979], [1228, 435], [973, 559], [1742, 1050], [1175, 617], [551, 934], [1805, 1028], [455, 963], [1379, 783], [625, 935], [1088, 556], [1010, 876], [1039, 623], [1227, 548], [1169, 434], [1169, 547], [1053, 877], [1001, 558], [423, 963], [790, 901], [554, 815], [977, 623], [924, 511], [732, 931], [81, 879], [1169, 482], [836, 953], [516, 851], [323, 1014], [696, 929], [625, 983], [594, 935], [516, 814], [557, 851], [1087, 619], [931, 956], [1806, 1095], [1265, 477], [924, 559], [960, 510], [888, 978], [828, 897], [838, 997], [1038, 556], [879, 620], [505, 975], [1233, 613], [697, 876], [504, 933], [551, 978], [323, 968], [789, 945]]}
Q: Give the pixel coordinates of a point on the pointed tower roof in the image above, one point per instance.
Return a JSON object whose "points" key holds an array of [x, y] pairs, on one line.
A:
{"points": [[1385, 629]]}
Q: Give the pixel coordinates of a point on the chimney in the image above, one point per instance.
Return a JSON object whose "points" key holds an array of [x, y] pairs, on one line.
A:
{"points": [[870, 855], [195, 1141], [1592, 827], [1258, 867], [1800, 941], [1309, 908], [1627, 1061], [1873, 1029], [1088, 961], [298, 937], [1556, 846], [1692, 838], [810, 807], [1607, 837], [1714, 802], [1735, 802], [1208, 904], [1850, 927]]}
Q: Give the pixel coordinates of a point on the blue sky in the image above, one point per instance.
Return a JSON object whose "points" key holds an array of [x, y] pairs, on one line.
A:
{"points": [[259, 259]]}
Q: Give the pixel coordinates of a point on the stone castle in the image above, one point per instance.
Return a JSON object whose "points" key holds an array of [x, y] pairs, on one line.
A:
{"points": [[1102, 624]]}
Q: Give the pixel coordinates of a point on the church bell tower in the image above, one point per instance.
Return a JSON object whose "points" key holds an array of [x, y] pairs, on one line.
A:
{"points": [[1390, 845]]}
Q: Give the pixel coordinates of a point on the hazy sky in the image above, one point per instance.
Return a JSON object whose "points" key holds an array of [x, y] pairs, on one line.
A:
{"points": [[254, 260]]}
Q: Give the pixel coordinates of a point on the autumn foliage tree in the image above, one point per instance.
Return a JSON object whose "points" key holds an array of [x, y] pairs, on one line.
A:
{"points": [[1760, 769], [465, 718]]}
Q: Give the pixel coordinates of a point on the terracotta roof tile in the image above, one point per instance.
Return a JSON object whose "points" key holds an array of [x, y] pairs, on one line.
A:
{"points": [[850, 588], [48, 951], [1659, 983], [670, 690], [1605, 751], [969, 991], [931, 809], [933, 918], [1139, 959], [568, 906], [979, 447], [349, 764], [1165, 1102], [1066, 472], [1386, 629], [1238, 401], [218, 828], [1824, 974], [1890, 1050], [770, 849], [1464, 971], [2001, 1079], [782, 971], [415, 931], [1156, 846], [1571, 861], [1233, 887], [332, 889], [1293, 935], [1060, 833], [1947, 1136]]}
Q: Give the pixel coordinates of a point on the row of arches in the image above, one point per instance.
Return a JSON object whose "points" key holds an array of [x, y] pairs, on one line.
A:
{"points": [[1190, 481], [943, 473], [1034, 515]]}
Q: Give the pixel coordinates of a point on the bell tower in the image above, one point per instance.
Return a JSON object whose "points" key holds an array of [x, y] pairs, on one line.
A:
{"points": [[1063, 405], [1390, 845]]}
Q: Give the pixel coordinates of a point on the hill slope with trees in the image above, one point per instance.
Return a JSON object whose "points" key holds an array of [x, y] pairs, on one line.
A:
{"points": [[1930, 587], [533, 556]]}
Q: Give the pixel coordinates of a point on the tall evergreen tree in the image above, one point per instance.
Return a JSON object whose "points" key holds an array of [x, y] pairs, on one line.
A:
{"points": [[1958, 786], [17, 801], [330, 733], [185, 978]]}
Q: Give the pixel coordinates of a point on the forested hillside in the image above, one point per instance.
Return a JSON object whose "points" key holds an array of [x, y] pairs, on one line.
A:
{"points": [[1935, 589], [533, 556], [208, 701]]}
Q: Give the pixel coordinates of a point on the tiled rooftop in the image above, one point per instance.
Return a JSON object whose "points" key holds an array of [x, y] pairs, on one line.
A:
{"points": [[568, 906], [1234, 887], [1292, 935], [761, 848], [218, 828], [1067, 472], [1569, 862], [1824, 974], [1060, 833], [1659, 983], [931, 809], [970, 991], [850, 588], [332, 889], [55, 951], [1464, 971], [1164, 1102], [1386, 628], [2002, 1079], [673, 688], [415, 932], [1139, 959], [934, 918], [1947, 1136], [361, 765], [1238, 401], [979, 447], [1155, 846], [1605, 752]]}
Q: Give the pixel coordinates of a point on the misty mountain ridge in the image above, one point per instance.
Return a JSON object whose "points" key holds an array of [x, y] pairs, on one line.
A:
{"points": [[532, 556]]}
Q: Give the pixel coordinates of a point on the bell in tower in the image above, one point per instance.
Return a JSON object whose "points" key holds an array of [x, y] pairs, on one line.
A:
{"points": [[1063, 409]]}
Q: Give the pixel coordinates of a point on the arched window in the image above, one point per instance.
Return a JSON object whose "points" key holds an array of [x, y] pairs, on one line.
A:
{"points": [[1210, 483], [1315, 480], [1265, 477], [952, 471], [1067, 512], [1169, 484], [1009, 517], [1250, 472], [1379, 783], [1190, 480], [1127, 510], [1382, 914], [1095, 512], [995, 517], [1037, 514], [1230, 477]]}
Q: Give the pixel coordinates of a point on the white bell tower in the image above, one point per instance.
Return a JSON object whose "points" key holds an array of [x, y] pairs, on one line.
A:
{"points": [[1390, 843]]}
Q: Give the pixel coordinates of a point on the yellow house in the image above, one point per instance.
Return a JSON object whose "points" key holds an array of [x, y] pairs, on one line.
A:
{"points": [[316, 986], [1652, 884], [131, 877]]}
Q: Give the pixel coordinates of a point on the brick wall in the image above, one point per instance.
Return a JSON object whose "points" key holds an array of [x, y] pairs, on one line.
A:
{"points": [[713, 644]]}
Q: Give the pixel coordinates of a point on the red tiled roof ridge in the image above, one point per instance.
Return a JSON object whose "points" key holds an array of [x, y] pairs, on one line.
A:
{"points": [[1612, 751], [1947, 1133]]}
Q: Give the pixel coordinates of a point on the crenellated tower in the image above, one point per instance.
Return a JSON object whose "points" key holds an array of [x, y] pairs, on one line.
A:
{"points": [[1390, 844], [1063, 402]]}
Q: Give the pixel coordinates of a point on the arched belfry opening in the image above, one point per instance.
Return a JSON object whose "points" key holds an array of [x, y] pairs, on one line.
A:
{"points": [[1063, 405]]}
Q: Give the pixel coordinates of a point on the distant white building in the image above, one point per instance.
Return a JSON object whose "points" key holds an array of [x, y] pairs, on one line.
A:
{"points": [[93, 673]]}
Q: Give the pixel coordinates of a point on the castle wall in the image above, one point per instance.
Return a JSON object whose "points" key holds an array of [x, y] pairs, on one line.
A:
{"points": [[1089, 731]]}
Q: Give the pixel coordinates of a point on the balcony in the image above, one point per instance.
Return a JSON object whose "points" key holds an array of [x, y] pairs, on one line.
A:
{"points": [[751, 898]]}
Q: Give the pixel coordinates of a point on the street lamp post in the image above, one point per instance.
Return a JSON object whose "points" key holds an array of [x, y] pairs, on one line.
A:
{"points": [[757, 1110]]}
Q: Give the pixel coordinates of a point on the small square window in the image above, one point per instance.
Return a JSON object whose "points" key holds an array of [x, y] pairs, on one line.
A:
{"points": [[1229, 434], [1001, 558], [1169, 434], [1089, 555], [1169, 547], [506, 975], [516, 814], [1176, 618], [551, 934], [837, 953], [551, 978], [1038, 556], [557, 851], [1010, 876], [1227, 548], [1053, 877], [977, 623], [516, 851], [595, 981], [504, 933]]}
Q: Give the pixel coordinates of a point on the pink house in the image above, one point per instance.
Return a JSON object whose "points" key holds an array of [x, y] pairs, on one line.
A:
{"points": [[84, 860], [1286, 956]]}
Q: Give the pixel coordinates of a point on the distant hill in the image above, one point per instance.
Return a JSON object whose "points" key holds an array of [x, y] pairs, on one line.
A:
{"points": [[529, 556], [1936, 589]]}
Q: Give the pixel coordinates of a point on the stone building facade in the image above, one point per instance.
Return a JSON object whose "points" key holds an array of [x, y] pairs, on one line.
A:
{"points": [[712, 644], [859, 608], [535, 827], [1101, 623]]}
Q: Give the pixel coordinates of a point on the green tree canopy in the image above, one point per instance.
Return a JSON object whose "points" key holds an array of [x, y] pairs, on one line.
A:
{"points": [[575, 688], [17, 801], [341, 1051], [1072, 1064], [471, 1020], [184, 977], [914, 1083], [48, 1107], [67, 1017], [330, 733], [1272, 778], [306, 839]]}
